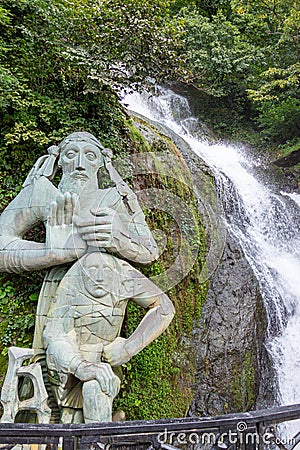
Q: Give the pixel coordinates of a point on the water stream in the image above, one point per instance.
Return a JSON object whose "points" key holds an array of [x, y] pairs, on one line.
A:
{"points": [[265, 222]]}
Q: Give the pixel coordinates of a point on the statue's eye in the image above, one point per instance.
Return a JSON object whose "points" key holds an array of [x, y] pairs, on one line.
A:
{"points": [[70, 154], [91, 156]]}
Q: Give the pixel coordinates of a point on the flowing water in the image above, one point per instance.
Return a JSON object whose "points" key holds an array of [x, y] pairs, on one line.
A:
{"points": [[264, 220]]}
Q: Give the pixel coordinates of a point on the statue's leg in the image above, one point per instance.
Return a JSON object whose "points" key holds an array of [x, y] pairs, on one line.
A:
{"points": [[71, 415], [97, 406]]}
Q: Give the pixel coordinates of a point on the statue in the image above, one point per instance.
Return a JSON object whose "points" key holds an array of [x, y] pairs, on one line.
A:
{"points": [[91, 235]]}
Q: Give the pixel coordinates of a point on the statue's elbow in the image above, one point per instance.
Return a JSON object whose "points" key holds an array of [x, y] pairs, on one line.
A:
{"points": [[147, 256], [153, 254]]}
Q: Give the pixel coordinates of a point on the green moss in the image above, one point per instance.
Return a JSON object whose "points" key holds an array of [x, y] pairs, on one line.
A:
{"points": [[136, 137], [243, 385], [157, 382]]}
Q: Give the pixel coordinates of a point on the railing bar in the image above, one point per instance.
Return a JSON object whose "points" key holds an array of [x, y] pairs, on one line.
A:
{"points": [[131, 427], [197, 424], [296, 440], [146, 436], [29, 440], [69, 443]]}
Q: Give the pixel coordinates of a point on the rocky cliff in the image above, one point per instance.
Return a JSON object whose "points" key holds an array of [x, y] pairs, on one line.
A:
{"points": [[226, 344]]}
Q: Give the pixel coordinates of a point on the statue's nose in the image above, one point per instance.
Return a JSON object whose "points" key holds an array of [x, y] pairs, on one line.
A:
{"points": [[99, 278], [80, 161]]}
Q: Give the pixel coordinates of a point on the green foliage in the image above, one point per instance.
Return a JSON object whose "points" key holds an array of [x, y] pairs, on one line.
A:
{"points": [[244, 56], [41, 96], [243, 384], [275, 92], [128, 41], [278, 101], [279, 120], [59, 61], [217, 53]]}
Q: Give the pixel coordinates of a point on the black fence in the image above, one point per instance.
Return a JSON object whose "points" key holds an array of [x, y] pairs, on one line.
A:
{"points": [[246, 431]]}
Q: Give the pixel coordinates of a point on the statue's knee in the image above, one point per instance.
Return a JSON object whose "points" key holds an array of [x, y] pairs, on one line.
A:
{"points": [[91, 389], [97, 406]]}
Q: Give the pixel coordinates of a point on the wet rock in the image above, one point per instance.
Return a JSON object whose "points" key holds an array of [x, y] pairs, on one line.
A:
{"points": [[290, 160], [225, 350], [229, 340]]}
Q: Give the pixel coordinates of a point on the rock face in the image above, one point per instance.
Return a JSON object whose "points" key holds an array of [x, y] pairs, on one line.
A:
{"points": [[226, 346], [229, 339], [290, 160]]}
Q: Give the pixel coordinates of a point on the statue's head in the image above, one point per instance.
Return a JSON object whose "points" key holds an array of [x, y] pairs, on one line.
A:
{"points": [[80, 136], [81, 155], [98, 274]]}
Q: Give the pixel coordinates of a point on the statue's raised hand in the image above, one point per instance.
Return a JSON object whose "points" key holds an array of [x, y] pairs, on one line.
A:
{"points": [[62, 238]]}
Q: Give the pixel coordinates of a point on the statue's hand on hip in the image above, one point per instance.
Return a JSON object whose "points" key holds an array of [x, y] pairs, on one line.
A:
{"points": [[62, 239], [108, 381], [115, 353]]}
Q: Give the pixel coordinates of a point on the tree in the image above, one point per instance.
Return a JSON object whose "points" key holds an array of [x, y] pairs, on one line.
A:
{"points": [[246, 54], [60, 61], [127, 42], [217, 54], [275, 91]]}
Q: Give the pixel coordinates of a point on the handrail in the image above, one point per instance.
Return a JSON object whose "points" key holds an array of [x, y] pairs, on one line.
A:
{"points": [[149, 430]]}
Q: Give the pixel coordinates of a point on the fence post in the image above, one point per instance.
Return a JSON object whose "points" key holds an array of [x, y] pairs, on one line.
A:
{"points": [[69, 443]]}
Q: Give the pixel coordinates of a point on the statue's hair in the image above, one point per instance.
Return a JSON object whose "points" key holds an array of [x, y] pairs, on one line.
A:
{"points": [[80, 136], [84, 136]]}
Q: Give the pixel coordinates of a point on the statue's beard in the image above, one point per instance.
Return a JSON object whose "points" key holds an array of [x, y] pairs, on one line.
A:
{"points": [[78, 183], [71, 184]]}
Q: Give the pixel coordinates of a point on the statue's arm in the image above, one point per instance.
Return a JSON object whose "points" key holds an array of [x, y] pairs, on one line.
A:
{"points": [[22, 214], [18, 255], [160, 314], [63, 354], [136, 242], [118, 232], [60, 343]]}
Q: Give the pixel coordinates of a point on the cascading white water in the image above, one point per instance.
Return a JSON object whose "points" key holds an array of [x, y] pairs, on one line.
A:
{"points": [[265, 222]]}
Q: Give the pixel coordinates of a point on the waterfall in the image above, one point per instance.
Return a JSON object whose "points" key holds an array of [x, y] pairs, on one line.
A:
{"points": [[265, 222]]}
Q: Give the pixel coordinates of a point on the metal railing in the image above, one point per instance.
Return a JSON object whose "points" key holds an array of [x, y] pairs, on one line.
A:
{"points": [[246, 431]]}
